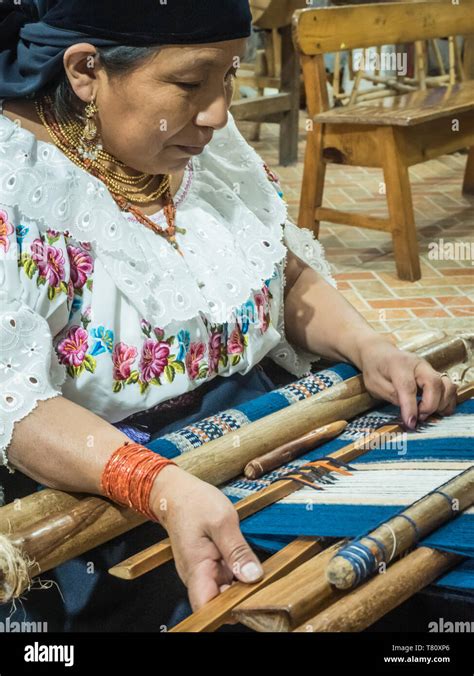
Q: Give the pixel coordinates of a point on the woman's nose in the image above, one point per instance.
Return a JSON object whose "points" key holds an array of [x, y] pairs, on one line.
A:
{"points": [[216, 113]]}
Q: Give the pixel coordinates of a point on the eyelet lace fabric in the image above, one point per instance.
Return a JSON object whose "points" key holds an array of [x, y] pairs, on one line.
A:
{"points": [[97, 307]]}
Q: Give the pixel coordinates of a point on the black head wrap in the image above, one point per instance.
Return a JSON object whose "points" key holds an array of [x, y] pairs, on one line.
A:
{"points": [[35, 33]]}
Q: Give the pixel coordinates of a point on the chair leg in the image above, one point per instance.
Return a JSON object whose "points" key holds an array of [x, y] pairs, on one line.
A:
{"points": [[290, 83], [312, 187], [400, 206], [468, 183]]}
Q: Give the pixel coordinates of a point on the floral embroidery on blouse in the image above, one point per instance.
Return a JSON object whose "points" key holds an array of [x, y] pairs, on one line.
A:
{"points": [[6, 229], [162, 357]]}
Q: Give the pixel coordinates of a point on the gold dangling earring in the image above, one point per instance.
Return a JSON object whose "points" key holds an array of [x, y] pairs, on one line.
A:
{"points": [[89, 148]]}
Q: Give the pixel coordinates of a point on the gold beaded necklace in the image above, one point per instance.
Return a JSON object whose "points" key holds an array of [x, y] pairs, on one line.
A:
{"points": [[67, 136]]}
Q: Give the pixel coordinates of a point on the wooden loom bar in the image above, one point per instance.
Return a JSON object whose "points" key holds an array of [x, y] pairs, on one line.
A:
{"points": [[398, 533], [211, 616], [371, 601]]}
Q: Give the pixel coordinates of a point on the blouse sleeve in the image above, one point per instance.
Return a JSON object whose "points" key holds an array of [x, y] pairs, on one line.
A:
{"points": [[35, 294], [302, 243]]}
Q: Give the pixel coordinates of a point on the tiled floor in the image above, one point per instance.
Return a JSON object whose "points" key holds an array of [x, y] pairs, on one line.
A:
{"points": [[363, 259]]}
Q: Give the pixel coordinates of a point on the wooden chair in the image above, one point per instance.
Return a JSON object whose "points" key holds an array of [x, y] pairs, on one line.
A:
{"points": [[280, 70], [392, 133]]}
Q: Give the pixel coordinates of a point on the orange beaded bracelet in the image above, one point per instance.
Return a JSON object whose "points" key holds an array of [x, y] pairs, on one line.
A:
{"points": [[129, 475]]}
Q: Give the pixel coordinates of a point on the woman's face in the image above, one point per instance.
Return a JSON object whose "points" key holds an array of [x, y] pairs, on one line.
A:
{"points": [[179, 97]]}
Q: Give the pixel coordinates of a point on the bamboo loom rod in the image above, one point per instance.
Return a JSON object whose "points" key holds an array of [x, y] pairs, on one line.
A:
{"points": [[363, 606], [221, 460], [353, 563]]}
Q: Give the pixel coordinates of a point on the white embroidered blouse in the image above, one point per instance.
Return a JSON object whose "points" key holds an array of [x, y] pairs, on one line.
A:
{"points": [[97, 307]]}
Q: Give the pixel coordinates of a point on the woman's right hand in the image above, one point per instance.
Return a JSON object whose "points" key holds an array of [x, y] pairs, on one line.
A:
{"points": [[203, 526]]}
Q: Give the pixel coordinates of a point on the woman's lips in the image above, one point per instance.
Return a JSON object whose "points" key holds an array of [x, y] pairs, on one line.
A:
{"points": [[190, 150]]}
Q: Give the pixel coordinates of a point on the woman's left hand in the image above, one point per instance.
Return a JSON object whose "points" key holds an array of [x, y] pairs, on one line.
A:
{"points": [[396, 376]]}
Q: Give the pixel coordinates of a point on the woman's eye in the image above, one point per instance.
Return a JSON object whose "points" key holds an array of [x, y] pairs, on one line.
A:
{"points": [[189, 85]]}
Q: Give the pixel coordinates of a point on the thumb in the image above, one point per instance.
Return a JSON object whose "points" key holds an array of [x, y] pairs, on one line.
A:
{"points": [[237, 554]]}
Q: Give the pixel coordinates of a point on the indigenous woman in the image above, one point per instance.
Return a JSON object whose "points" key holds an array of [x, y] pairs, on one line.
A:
{"points": [[147, 266]]}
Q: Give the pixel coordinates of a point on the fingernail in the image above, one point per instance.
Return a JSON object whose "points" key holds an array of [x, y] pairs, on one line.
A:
{"points": [[412, 422], [251, 571]]}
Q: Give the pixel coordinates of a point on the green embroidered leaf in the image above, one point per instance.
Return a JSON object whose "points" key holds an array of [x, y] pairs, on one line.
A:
{"points": [[203, 371], [89, 284], [133, 378], [171, 358], [224, 360], [179, 367], [169, 340], [246, 340], [117, 386], [29, 267], [52, 292], [89, 363], [51, 239], [78, 292], [155, 381], [75, 371], [169, 373], [235, 359], [40, 281], [63, 286], [143, 386]]}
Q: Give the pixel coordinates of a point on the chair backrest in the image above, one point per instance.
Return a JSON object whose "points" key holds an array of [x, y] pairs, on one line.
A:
{"points": [[333, 29]]}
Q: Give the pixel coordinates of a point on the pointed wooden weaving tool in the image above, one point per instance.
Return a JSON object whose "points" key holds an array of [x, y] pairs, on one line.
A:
{"points": [[293, 449]]}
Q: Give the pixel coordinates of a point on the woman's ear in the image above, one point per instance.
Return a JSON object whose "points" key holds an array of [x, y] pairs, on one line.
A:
{"points": [[82, 67]]}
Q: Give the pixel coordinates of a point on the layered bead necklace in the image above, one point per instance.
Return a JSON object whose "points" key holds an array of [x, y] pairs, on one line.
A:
{"points": [[68, 137]]}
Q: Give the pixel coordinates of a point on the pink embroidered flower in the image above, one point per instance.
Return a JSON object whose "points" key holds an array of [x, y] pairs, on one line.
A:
{"points": [[50, 261], [82, 265], [214, 351], [72, 349], [123, 357], [261, 301], [6, 228], [153, 359], [235, 344], [193, 357], [86, 245]]}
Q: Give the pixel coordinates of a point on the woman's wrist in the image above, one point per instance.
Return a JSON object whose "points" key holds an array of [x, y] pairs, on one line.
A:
{"points": [[364, 343], [163, 487]]}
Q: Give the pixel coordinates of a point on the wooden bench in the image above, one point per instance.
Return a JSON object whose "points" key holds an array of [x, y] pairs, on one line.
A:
{"points": [[392, 133]]}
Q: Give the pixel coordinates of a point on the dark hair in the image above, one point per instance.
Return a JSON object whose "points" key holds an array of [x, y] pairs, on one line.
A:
{"points": [[117, 61]]}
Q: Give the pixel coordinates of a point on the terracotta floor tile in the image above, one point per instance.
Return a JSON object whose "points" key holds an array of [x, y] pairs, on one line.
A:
{"points": [[399, 303], [453, 300], [430, 312]]}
